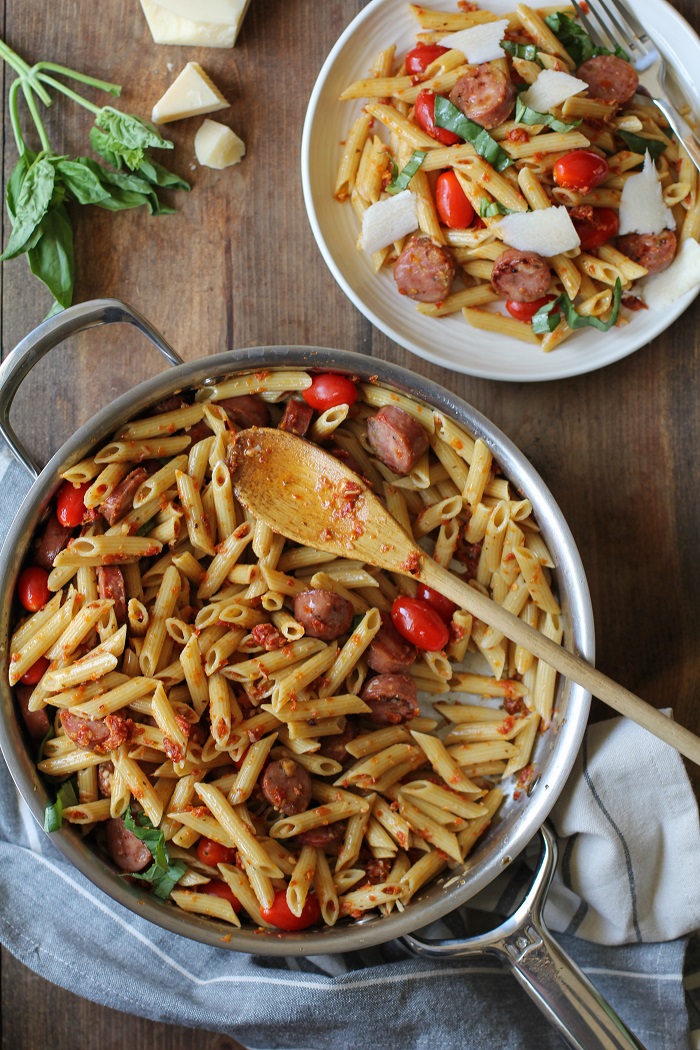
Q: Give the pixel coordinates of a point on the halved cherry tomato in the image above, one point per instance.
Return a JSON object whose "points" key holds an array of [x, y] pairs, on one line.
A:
{"points": [[600, 228], [581, 170], [70, 503], [442, 605], [328, 390], [419, 623], [452, 204], [278, 914], [35, 672], [213, 853], [223, 890], [33, 588], [424, 112], [418, 60], [526, 311]]}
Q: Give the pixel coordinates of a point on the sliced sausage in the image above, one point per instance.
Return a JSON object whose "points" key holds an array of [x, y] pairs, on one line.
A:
{"points": [[96, 734], [334, 746], [268, 636], [654, 251], [105, 774], [609, 77], [121, 499], [198, 432], [377, 869], [54, 539], [37, 722], [522, 276], [170, 404], [126, 850], [287, 786], [397, 438], [323, 614], [392, 699], [110, 583], [324, 836], [297, 417], [389, 652], [425, 271], [486, 96], [246, 410]]}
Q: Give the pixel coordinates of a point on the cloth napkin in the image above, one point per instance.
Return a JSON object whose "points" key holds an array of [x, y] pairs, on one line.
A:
{"points": [[625, 897]]}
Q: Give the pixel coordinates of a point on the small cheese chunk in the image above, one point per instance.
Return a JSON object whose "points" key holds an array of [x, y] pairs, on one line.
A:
{"points": [[642, 208], [388, 220], [551, 89], [662, 289], [167, 28], [215, 12], [190, 95], [217, 146], [547, 231], [480, 43]]}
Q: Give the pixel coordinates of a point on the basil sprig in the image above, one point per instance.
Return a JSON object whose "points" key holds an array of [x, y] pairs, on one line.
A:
{"points": [[548, 316], [452, 119], [525, 115], [65, 797], [163, 873], [401, 180], [641, 145], [576, 40], [527, 51]]}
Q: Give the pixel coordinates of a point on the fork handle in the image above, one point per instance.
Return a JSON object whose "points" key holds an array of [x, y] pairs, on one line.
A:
{"points": [[682, 128]]}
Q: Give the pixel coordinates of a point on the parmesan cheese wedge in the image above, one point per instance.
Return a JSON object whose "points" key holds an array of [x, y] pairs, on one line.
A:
{"points": [[547, 231], [388, 220], [169, 28], [682, 276], [642, 208], [551, 89], [217, 146], [214, 12], [480, 43], [190, 95]]}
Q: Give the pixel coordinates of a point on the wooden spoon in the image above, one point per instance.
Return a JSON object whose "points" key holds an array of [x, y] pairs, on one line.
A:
{"points": [[311, 497]]}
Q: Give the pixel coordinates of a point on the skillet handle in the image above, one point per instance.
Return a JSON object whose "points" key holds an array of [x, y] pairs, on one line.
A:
{"points": [[19, 363], [550, 977]]}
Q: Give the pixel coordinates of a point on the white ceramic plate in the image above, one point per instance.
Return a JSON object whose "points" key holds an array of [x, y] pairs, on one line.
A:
{"points": [[449, 341]]}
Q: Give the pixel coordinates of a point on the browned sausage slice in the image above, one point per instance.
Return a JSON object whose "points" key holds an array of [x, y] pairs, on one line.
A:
{"points": [[609, 77], [323, 614], [54, 539], [121, 499], [654, 251], [392, 699], [522, 276], [246, 410], [486, 96], [105, 774], [287, 786], [323, 837], [297, 417], [334, 746], [377, 869], [126, 850], [397, 438], [425, 271], [389, 652], [37, 722], [110, 582], [96, 734], [170, 404]]}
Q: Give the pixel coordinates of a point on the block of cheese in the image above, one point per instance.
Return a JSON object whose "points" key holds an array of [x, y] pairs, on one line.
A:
{"points": [[216, 12], [183, 22], [191, 94], [217, 146]]}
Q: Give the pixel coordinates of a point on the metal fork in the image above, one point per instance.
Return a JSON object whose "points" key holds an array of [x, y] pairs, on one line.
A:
{"points": [[616, 26]]}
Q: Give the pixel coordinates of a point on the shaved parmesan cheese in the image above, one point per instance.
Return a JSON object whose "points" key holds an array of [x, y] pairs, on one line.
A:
{"points": [[479, 44], [551, 89], [547, 231], [642, 208], [388, 220], [682, 275]]}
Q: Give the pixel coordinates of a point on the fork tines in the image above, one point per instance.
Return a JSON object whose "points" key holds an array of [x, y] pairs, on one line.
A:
{"points": [[615, 26]]}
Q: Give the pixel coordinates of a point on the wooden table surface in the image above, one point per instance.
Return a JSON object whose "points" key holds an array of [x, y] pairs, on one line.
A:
{"points": [[238, 266]]}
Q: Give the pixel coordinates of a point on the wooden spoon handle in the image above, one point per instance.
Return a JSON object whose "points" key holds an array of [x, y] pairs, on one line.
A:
{"points": [[573, 667]]}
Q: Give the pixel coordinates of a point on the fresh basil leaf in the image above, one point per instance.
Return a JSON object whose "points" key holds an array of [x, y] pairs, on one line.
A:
{"points": [[53, 815], [641, 145], [99, 140], [128, 136], [160, 176], [452, 119], [31, 205], [548, 316], [82, 182], [487, 209], [525, 115], [52, 258], [163, 874], [576, 40], [400, 182], [527, 51], [165, 883], [14, 183]]}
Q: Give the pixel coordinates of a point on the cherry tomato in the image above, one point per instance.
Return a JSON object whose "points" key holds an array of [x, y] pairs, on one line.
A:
{"points": [[418, 60], [213, 853], [35, 672], [452, 204], [278, 914], [419, 623], [600, 228], [33, 588], [442, 605], [328, 390], [526, 311], [424, 112], [582, 170], [70, 503], [223, 890]]}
